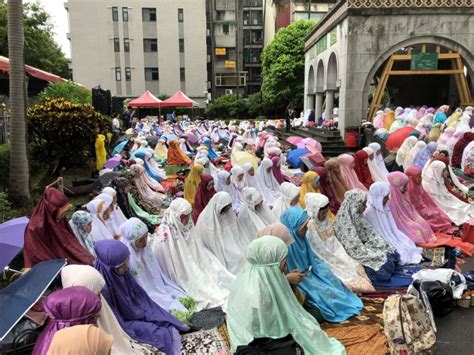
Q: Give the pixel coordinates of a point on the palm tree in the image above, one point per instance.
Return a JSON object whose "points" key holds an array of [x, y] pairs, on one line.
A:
{"points": [[19, 189]]}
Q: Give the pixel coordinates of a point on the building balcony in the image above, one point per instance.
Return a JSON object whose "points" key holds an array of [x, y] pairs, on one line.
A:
{"points": [[227, 41], [253, 3]]}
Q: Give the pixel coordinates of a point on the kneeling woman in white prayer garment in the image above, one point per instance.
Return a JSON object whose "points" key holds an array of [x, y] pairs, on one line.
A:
{"points": [[146, 270], [177, 261], [254, 213], [327, 247], [217, 229], [290, 196], [269, 185]]}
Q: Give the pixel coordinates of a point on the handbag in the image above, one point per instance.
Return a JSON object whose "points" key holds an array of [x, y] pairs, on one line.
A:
{"points": [[440, 296]]}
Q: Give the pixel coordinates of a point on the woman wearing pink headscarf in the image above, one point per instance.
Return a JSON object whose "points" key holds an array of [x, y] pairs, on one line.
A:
{"points": [[347, 164], [406, 217], [438, 220]]}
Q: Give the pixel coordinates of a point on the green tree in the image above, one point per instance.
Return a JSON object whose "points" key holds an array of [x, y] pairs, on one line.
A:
{"points": [[283, 65], [164, 96], [19, 192], [62, 134], [40, 49], [69, 91], [226, 106], [256, 105]]}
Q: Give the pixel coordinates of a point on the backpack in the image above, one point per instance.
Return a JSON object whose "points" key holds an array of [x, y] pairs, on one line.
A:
{"points": [[407, 326]]}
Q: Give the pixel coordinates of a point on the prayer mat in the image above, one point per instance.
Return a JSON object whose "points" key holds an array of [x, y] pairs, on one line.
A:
{"points": [[225, 334], [204, 342], [208, 318], [372, 313], [361, 339]]}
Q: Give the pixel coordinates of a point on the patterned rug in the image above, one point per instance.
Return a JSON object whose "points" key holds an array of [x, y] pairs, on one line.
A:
{"points": [[204, 342], [362, 334]]}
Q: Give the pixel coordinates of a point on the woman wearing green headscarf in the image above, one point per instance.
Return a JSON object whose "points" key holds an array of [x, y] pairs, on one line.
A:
{"points": [[262, 305]]}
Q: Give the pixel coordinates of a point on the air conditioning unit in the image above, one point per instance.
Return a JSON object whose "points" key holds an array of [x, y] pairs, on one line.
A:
{"points": [[229, 91]]}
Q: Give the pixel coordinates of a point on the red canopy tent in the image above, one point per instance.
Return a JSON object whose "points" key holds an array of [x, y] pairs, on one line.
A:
{"points": [[179, 100], [35, 72], [146, 100]]}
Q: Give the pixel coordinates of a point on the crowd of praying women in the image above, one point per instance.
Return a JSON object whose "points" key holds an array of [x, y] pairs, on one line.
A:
{"points": [[279, 250]]}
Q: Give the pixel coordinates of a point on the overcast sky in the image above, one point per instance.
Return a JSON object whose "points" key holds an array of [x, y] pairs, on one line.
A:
{"points": [[58, 14]]}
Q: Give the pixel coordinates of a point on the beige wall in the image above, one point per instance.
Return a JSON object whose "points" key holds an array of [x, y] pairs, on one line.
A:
{"points": [[93, 58]]}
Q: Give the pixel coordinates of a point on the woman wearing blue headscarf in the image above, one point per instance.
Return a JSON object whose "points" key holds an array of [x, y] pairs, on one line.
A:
{"points": [[323, 290], [424, 155], [212, 154]]}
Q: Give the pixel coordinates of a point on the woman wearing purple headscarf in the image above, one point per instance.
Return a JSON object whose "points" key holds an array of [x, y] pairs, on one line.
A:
{"points": [[138, 315], [66, 308], [424, 155]]}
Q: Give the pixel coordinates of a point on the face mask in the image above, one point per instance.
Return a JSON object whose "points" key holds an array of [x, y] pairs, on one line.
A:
{"points": [[316, 182]]}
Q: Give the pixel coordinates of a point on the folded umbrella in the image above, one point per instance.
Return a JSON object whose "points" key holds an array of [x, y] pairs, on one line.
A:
{"points": [[113, 162], [12, 235], [17, 298]]}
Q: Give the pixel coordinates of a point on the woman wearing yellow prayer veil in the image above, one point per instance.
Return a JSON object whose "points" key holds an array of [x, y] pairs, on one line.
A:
{"points": [[161, 152], [100, 153], [389, 119], [192, 182], [310, 183]]}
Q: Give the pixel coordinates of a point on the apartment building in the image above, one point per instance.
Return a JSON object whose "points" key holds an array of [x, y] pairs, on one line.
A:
{"points": [[132, 46]]}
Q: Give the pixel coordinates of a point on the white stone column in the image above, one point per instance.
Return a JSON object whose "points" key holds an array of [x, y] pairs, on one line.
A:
{"points": [[329, 104], [318, 109]]}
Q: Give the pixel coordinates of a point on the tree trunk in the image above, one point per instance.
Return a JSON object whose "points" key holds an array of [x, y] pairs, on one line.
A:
{"points": [[19, 190]]}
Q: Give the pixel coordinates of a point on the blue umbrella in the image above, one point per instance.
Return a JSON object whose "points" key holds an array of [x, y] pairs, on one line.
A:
{"points": [[294, 157], [119, 147], [12, 235], [17, 298]]}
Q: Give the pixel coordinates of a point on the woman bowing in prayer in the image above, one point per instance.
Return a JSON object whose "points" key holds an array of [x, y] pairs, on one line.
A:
{"points": [[375, 172], [347, 165], [217, 229], [140, 317], [270, 188], [326, 296], [309, 184], [254, 213], [204, 193], [326, 188], [237, 184], [98, 209], [404, 150], [116, 214], [378, 157], [87, 276], [276, 168], [170, 247], [48, 234], [81, 225], [360, 239], [191, 183], [335, 179], [66, 308], [176, 156], [262, 307], [327, 247], [406, 217], [146, 270], [379, 215], [424, 205], [433, 183], [81, 339], [290, 196], [362, 169]]}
